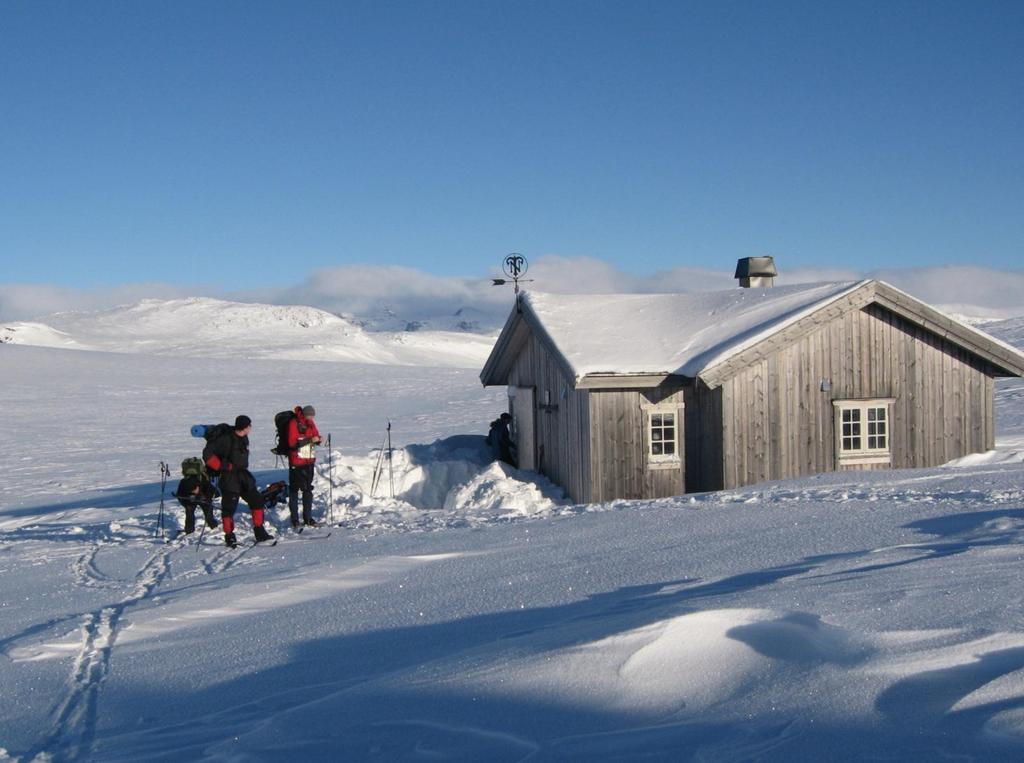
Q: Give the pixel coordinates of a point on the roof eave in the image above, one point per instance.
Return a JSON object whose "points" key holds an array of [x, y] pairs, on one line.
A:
{"points": [[499, 362], [611, 380], [1009, 360]]}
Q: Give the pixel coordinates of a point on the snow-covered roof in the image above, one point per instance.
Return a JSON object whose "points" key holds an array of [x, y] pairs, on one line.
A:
{"points": [[689, 334], [668, 333]]}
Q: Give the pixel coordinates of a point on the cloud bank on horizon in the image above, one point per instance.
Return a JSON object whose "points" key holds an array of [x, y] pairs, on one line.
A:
{"points": [[373, 290]]}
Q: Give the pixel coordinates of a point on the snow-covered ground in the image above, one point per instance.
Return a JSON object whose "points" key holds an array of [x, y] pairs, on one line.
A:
{"points": [[476, 615]]}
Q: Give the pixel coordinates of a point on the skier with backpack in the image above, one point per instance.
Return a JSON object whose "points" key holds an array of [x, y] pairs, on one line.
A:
{"points": [[298, 437], [227, 453], [195, 490]]}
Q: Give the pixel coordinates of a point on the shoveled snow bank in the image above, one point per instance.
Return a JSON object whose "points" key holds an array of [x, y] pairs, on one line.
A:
{"points": [[449, 483]]}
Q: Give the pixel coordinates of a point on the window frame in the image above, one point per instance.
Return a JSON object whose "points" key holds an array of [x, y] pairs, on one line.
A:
{"points": [[863, 454], [661, 460]]}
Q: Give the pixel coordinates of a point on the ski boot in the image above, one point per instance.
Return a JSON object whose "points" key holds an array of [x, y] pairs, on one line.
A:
{"points": [[230, 540], [261, 534], [310, 522]]}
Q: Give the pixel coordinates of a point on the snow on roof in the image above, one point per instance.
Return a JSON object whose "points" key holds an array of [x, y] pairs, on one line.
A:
{"points": [[671, 333]]}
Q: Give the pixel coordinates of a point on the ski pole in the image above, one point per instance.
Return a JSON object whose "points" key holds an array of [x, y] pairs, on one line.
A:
{"points": [[330, 479], [202, 532], [391, 472], [165, 472], [378, 468]]}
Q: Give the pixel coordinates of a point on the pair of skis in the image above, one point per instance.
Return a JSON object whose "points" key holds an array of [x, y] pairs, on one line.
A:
{"points": [[313, 535], [297, 535], [294, 537]]}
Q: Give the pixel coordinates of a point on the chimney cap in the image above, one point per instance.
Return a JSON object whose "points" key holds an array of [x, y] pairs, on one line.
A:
{"points": [[756, 267]]}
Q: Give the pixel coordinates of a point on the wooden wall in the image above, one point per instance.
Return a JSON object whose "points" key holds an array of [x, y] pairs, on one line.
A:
{"points": [[563, 430], [618, 448], [777, 422]]}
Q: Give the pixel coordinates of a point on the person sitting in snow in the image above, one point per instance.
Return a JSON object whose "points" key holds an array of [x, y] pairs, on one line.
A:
{"points": [[500, 440], [196, 492], [303, 436], [229, 455]]}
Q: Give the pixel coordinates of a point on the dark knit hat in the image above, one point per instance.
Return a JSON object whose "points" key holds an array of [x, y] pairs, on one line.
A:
{"points": [[241, 422], [309, 411]]}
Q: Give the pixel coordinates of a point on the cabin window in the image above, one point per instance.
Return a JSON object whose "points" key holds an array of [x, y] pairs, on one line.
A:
{"points": [[863, 431], [663, 435]]}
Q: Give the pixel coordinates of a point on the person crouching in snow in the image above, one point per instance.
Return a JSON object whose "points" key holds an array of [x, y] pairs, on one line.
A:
{"points": [[303, 436], [192, 493], [500, 440], [229, 455]]}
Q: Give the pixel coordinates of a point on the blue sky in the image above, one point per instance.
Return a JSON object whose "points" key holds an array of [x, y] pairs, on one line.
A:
{"points": [[247, 144]]}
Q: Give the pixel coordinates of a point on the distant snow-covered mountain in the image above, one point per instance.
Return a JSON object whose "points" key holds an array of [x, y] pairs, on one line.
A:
{"points": [[204, 327], [464, 319], [1010, 331]]}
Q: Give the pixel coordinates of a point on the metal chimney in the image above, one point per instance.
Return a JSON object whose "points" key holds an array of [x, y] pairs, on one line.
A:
{"points": [[756, 272]]}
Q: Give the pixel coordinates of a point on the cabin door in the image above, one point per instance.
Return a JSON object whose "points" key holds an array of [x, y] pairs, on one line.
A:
{"points": [[524, 430]]}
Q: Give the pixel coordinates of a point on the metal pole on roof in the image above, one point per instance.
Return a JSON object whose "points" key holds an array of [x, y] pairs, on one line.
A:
{"points": [[514, 266]]}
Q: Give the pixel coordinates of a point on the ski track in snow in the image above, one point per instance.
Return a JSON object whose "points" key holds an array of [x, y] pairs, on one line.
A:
{"points": [[74, 715], [88, 574]]}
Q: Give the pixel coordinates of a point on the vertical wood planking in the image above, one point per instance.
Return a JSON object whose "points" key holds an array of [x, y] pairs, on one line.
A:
{"points": [[776, 421], [562, 432]]}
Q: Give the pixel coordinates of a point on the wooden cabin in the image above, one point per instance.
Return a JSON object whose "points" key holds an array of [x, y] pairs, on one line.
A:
{"points": [[653, 395]]}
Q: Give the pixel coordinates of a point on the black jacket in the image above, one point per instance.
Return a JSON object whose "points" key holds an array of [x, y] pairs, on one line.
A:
{"points": [[187, 497], [229, 454], [501, 442]]}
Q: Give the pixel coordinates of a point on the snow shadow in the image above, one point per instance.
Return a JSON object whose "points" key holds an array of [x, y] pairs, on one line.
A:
{"points": [[960, 532], [341, 690], [801, 638], [403, 694], [109, 514], [123, 497], [929, 699], [1006, 525]]}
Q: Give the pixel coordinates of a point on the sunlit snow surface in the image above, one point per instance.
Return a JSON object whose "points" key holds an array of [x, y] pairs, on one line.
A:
{"points": [[476, 615]]}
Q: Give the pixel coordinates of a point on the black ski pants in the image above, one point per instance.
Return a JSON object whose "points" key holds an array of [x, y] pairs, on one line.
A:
{"points": [[300, 478], [242, 486], [190, 506]]}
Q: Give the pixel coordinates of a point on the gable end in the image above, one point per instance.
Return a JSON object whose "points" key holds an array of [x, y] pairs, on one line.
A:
{"points": [[521, 323], [714, 375], [1004, 360]]}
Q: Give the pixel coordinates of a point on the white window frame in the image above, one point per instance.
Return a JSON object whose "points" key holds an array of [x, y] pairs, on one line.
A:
{"points": [[864, 454], [662, 460]]}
